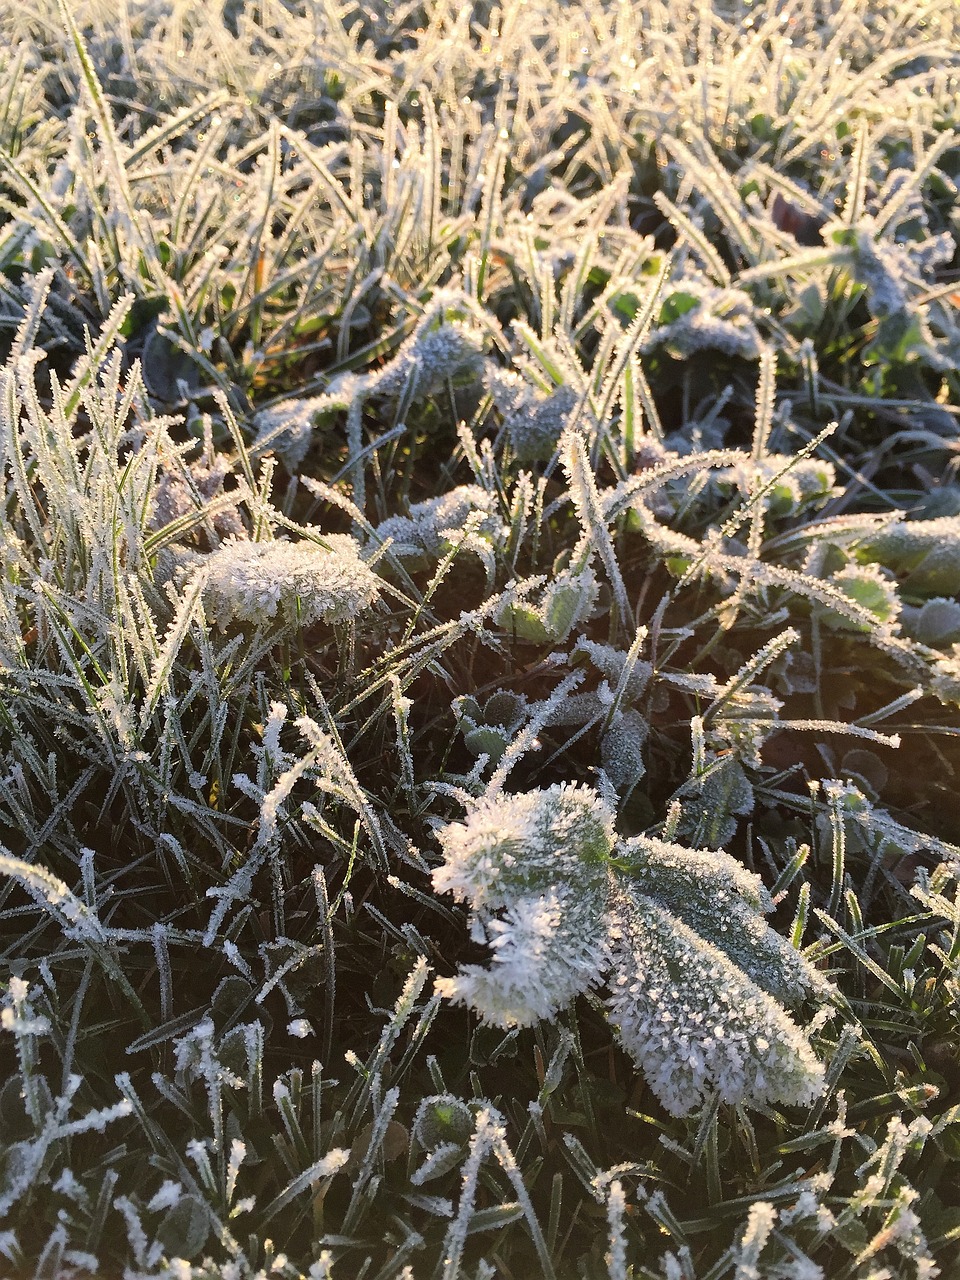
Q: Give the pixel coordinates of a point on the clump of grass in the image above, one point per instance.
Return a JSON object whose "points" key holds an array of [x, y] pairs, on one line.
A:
{"points": [[496, 456]]}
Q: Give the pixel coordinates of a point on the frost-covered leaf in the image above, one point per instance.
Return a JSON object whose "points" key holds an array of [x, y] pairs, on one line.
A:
{"points": [[429, 530], [489, 730], [544, 951], [714, 800], [441, 1119], [696, 977], [299, 583], [716, 896], [805, 482], [697, 316], [509, 845], [534, 422], [936, 622], [185, 1228], [866, 586], [567, 600], [621, 750], [925, 554], [695, 1021]]}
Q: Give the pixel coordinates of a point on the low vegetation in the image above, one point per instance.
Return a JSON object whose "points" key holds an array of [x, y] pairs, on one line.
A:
{"points": [[480, 639]]}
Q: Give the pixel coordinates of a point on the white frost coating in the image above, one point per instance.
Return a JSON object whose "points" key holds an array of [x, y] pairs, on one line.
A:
{"points": [[169, 1194], [544, 953], [714, 319], [48, 891], [426, 532], [512, 844], [695, 975], [696, 1022], [299, 582]]}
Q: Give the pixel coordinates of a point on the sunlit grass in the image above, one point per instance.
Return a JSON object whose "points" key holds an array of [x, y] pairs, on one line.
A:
{"points": [[480, 640]]}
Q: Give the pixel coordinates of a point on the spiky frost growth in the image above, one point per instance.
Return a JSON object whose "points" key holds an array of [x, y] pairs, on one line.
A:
{"points": [[301, 582], [544, 953], [510, 845], [696, 978], [532, 870]]}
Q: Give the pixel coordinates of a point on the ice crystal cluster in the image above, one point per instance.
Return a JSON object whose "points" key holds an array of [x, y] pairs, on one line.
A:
{"points": [[297, 583], [697, 980]]}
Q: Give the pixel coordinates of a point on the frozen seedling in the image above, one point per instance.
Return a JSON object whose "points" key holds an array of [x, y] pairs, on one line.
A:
{"points": [[696, 979]]}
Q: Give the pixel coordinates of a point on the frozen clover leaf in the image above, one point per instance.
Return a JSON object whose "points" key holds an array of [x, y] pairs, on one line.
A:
{"points": [[714, 799], [431, 355], [566, 601], [197, 489], [696, 977], [425, 534], [287, 428], [697, 316], [490, 729], [891, 271], [441, 1119], [925, 554], [301, 583], [621, 750]]}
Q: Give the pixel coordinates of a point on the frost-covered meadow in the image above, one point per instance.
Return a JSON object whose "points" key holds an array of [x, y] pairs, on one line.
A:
{"points": [[480, 639]]}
